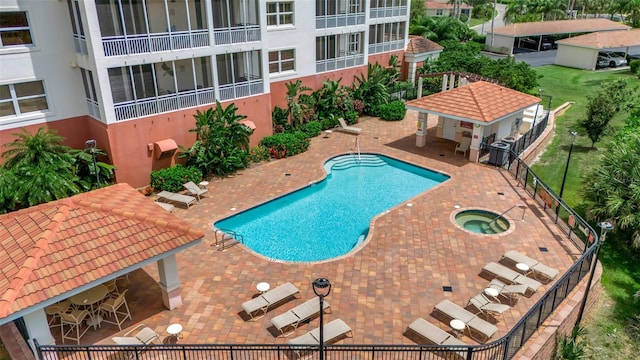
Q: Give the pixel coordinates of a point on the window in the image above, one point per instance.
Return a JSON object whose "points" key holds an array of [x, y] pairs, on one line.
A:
{"points": [[281, 61], [14, 29], [280, 13], [354, 44], [439, 12], [22, 98]]}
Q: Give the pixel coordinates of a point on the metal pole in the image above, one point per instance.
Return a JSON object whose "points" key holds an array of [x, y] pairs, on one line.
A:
{"points": [[605, 228], [321, 328], [95, 167], [566, 168], [322, 288]]}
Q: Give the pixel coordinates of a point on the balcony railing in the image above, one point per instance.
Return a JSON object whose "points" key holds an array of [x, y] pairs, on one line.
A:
{"points": [[381, 12], [164, 103], [253, 86], [239, 34], [339, 62], [94, 108], [146, 43], [339, 20], [80, 44], [386, 46]]}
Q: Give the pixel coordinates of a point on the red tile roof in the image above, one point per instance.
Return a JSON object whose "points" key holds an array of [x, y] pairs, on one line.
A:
{"points": [[479, 101], [559, 27], [605, 39], [421, 45], [439, 5], [59, 246]]}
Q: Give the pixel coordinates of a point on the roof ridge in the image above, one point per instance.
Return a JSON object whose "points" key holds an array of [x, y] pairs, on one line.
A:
{"points": [[475, 98], [30, 264]]}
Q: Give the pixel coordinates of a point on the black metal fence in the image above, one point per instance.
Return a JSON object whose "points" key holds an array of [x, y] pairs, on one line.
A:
{"points": [[576, 229]]}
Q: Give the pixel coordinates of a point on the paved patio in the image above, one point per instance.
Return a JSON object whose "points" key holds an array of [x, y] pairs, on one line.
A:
{"points": [[396, 277]]}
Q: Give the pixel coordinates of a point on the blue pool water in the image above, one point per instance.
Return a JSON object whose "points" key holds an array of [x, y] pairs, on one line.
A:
{"points": [[328, 219]]}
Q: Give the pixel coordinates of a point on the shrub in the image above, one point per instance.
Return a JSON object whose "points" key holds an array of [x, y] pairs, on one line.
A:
{"points": [[259, 153], [286, 144], [329, 122], [351, 117], [635, 67], [171, 179], [279, 119], [358, 105], [392, 111], [312, 128]]}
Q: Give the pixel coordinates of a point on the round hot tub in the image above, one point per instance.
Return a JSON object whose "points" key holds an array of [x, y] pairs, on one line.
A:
{"points": [[482, 221]]}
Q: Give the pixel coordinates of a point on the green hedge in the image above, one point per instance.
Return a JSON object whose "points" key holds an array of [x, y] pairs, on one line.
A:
{"points": [[259, 153], [171, 179], [286, 144], [392, 111], [635, 67], [312, 128]]}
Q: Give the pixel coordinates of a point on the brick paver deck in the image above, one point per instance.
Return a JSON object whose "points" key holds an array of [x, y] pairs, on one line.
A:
{"points": [[395, 277]]}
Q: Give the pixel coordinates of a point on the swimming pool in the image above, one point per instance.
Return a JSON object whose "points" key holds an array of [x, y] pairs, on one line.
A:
{"points": [[330, 218]]}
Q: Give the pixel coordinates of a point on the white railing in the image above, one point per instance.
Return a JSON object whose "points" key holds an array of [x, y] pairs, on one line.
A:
{"points": [[94, 109], [145, 43], [80, 44], [386, 46], [339, 20], [241, 89], [236, 35], [339, 62], [390, 11], [164, 103]]}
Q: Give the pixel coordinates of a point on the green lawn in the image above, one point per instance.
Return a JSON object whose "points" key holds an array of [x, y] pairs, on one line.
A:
{"points": [[614, 328], [473, 22]]}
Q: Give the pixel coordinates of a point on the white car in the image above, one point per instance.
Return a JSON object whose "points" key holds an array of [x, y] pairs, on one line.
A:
{"points": [[612, 59]]}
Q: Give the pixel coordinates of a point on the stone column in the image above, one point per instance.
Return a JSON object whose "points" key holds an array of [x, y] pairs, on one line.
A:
{"points": [[169, 282]]}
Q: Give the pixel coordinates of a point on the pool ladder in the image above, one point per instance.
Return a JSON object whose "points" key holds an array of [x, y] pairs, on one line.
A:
{"points": [[520, 206], [223, 235], [356, 149]]}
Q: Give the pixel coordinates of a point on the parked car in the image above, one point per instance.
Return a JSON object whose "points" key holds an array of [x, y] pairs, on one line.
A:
{"points": [[602, 63], [624, 55], [530, 43], [612, 58]]}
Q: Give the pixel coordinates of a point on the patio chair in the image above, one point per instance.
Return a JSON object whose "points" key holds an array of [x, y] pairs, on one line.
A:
{"points": [[179, 198], [511, 277], [472, 321], [75, 320], [194, 189], [113, 306], [165, 206], [56, 309], [434, 334], [144, 336], [269, 299], [348, 129], [463, 146], [508, 291], [333, 331], [513, 257], [299, 314], [487, 307]]}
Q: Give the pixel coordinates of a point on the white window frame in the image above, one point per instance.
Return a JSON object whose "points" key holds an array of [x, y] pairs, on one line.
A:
{"points": [[278, 14], [353, 43], [14, 100], [280, 61], [17, 28]]}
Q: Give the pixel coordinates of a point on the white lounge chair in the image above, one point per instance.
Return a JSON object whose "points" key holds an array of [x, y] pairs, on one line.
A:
{"points": [[348, 129], [194, 189], [144, 336], [487, 307], [272, 297], [333, 331], [435, 335], [463, 146], [511, 277], [299, 314], [471, 321], [508, 291], [179, 198], [514, 257], [165, 206]]}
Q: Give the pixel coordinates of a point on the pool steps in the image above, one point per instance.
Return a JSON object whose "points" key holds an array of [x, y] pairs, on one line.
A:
{"points": [[349, 161]]}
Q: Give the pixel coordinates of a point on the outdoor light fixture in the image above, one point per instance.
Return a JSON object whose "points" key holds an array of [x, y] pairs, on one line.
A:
{"points": [[91, 145], [322, 288], [605, 227]]}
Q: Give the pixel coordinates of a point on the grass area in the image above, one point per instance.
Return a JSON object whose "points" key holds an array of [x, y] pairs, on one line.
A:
{"points": [[614, 327], [473, 21]]}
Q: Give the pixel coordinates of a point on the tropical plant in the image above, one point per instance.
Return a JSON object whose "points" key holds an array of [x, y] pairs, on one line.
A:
{"points": [[551, 9], [286, 144], [295, 108], [90, 176], [372, 89], [258, 154], [417, 8], [279, 119], [392, 111], [222, 142], [332, 98], [517, 9], [171, 179], [439, 28], [571, 347]]}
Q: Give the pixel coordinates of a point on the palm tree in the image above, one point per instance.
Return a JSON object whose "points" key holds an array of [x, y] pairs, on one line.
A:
{"points": [[422, 26], [296, 109], [516, 9], [551, 9]]}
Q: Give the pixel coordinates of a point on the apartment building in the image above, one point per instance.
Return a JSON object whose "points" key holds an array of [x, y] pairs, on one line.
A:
{"points": [[131, 74]]}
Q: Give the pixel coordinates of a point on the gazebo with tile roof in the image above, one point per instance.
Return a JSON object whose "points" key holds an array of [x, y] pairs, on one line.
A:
{"points": [[55, 250], [476, 110], [419, 50]]}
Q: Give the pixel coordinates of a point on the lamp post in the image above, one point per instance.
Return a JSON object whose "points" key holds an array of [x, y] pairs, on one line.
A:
{"points": [[91, 146], [322, 288], [566, 168], [605, 227]]}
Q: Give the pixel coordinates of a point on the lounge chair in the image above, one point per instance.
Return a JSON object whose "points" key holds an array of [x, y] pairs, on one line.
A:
{"points": [[333, 331], [348, 129], [514, 257], [435, 335], [194, 189], [508, 291], [487, 307], [137, 343], [463, 146], [511, 277], [179, 198], [165, 206], [299, 314], [472, 321], [272, 297]]}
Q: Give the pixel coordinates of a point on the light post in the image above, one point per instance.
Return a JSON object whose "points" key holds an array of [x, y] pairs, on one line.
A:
{"points": [[91, 146], [566, 168], [605, 227], [322, 288]]}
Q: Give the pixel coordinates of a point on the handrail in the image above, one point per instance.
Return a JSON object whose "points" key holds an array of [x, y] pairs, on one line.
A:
{"points": [[226, 235], [506, 211]]}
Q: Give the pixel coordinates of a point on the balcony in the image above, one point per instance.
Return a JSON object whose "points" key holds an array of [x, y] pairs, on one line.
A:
{"points": [[164, 103], [341, 62], [253, 86], [386, 46], [238, 34], [339, 20], [146, 43], [390, 11], [94, 108]]}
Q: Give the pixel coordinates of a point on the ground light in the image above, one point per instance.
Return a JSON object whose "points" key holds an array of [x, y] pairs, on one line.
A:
{"points": [[605, 227], [322, 288]]}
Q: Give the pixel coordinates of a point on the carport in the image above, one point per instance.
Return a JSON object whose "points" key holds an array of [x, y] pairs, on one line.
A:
{"points": [[582, 51], [503, 39]]}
